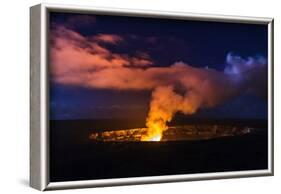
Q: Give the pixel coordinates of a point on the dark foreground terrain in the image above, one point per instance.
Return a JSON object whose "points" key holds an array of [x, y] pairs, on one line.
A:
{"points": [[73, 156]]}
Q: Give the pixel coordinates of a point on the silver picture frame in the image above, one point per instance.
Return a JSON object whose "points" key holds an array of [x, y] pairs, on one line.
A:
{"points": [[39, 133]]}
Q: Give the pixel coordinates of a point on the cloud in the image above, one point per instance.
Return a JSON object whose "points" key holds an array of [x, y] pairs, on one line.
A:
{"points": [[120, 73], [253, 71], [74, 55], [108, 38]]}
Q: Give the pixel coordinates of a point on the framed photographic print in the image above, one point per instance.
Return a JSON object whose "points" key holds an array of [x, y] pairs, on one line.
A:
{"points": [[132, 96]]}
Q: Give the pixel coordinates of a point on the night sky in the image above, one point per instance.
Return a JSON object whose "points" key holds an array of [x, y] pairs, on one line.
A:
{"points": [[148, 43]]}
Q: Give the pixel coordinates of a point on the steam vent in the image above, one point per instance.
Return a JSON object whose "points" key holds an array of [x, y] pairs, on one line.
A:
{"points": [[174, 133]]}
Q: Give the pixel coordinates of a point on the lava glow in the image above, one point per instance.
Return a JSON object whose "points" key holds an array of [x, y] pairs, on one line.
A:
{"points": [[155, 130], [173, 133], [155, 138]]}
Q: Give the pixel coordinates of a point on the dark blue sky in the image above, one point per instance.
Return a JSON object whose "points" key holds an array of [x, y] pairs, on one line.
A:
{"points": [[200, 44]]}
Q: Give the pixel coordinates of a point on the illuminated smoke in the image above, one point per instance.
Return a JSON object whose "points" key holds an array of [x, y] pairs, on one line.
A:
{"points": [[201, 88]]}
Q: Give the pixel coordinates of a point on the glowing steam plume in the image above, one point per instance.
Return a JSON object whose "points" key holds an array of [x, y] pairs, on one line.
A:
{"points": [[201, 88], [164, 104]]}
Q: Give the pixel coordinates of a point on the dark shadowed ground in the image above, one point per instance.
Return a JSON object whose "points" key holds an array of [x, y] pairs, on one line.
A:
{"points": [[73, 156]]}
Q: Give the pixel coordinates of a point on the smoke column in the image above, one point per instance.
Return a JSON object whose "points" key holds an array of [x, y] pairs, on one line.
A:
{"points": [[204, 89]]}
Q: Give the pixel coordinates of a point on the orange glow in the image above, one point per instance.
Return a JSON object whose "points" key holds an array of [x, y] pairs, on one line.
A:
{"points": [[174, 133], [152, 136], [156, 127], [156, 138], [161, 111]]}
